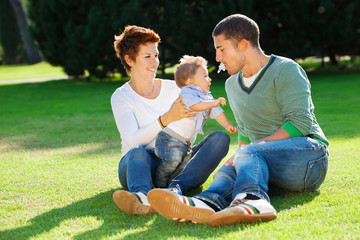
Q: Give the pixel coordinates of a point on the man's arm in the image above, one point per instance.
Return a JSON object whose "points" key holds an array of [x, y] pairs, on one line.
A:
{"points": [[278, 135]]}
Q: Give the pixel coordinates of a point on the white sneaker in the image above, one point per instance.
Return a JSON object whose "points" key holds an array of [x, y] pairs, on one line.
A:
{"points": [[133, 203], [178, 207], [243, 210]]}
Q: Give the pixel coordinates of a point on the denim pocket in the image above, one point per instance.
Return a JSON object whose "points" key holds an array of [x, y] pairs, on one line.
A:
{"points": [[315, 173]]}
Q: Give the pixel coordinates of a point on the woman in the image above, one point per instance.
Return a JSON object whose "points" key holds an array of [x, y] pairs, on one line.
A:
{"points": [[142, 107]]}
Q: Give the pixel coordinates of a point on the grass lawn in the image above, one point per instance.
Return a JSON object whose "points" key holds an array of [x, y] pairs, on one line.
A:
{"points": [[39, 70], [59, 152]]}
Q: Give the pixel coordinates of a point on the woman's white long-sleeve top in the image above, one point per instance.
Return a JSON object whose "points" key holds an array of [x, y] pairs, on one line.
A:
{"points": [[136, 116]]}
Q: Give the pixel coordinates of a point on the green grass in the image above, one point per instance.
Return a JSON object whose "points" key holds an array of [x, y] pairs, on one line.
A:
{"points": [[345, 64], [59, 152], [39, 70]]}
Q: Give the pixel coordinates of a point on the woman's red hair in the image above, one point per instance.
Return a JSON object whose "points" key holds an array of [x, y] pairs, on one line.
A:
{"points": [[128, 42]]}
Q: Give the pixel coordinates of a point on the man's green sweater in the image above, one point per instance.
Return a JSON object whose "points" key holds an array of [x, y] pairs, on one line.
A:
{"points": [[279, 98]]}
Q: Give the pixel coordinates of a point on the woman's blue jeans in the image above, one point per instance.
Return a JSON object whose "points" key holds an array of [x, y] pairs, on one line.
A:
{"points": [[137, 168], [288, 165]]}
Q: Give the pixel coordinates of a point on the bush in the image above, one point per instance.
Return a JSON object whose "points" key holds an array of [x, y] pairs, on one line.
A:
{"points": [[79, 35], [12, 48], [76, 35]]}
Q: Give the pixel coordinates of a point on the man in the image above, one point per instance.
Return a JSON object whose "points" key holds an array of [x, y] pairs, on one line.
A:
{"points": [[271, 101]]}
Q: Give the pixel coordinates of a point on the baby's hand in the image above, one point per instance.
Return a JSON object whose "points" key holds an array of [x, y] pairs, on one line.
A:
{"points": [[231, 129], [222, 101], [219, 101]]}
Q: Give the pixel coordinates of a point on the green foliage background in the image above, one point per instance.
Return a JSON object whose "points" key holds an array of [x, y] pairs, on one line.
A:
{"points": [[78, 35], [11, 46]]}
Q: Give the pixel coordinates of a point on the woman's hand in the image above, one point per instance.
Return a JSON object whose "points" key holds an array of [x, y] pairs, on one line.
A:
{"points": [[176, 112]]}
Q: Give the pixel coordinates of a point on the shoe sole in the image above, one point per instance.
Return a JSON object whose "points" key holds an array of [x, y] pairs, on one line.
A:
{"points": [[168, 205], [219, 218], [129, 203]]}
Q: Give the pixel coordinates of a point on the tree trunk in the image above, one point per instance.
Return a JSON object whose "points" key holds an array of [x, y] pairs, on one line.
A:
{"points": [[10, 39], [332, 56], [333, 59], [32, 52]]}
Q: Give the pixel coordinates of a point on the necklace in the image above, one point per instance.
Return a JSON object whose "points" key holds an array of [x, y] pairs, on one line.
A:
{"points": [[143, 94], [262, 63], [260, 66]]}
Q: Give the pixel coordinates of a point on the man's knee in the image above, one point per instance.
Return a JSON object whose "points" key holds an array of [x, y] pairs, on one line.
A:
{"points": [[227, 172]]}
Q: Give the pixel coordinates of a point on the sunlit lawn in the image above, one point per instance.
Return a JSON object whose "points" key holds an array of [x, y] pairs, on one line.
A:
{"points": [[59, 151], [39, 70]]}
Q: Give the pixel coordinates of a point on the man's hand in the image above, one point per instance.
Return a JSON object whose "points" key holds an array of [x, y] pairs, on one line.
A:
{"points": [[230, 162]]}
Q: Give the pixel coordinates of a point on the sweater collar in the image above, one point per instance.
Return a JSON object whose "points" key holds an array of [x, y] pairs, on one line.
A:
{"points": [[249, 89]]}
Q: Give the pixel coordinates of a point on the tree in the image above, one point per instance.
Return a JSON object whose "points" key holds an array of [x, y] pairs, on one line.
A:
{"points": [[302, 28], [79, 35], [32, 52], [13, 49]]}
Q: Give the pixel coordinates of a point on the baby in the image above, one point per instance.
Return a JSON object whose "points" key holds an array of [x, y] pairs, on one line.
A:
{"points": [[173, 143]]}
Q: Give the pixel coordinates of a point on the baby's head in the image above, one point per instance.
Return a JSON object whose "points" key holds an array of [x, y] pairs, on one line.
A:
{"points": [[188, 69]]}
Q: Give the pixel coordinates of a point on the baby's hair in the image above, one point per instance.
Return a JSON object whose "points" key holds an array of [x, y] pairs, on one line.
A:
{"points": [[187, 68]]}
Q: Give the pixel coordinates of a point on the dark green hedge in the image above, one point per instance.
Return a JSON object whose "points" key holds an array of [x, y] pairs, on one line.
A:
{"points": [[10, 38], [78, 35]]}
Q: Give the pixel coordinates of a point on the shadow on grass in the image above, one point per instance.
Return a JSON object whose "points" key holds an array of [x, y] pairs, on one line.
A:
{"points": [[74, 111], [286, 201], [79, 112], [115, 222], [100, 206], [67, 113]]}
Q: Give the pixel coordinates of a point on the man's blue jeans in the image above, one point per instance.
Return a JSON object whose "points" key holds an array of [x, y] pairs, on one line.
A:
{"points": [[288, 165], [137, 168]]}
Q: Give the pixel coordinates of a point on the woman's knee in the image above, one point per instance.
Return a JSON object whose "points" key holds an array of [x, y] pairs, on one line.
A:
{"points": [[137, 152], [220, 138], [136, 155]]}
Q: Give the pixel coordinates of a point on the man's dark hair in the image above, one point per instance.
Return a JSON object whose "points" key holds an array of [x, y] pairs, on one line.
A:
{"points": [[237, 27]]}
